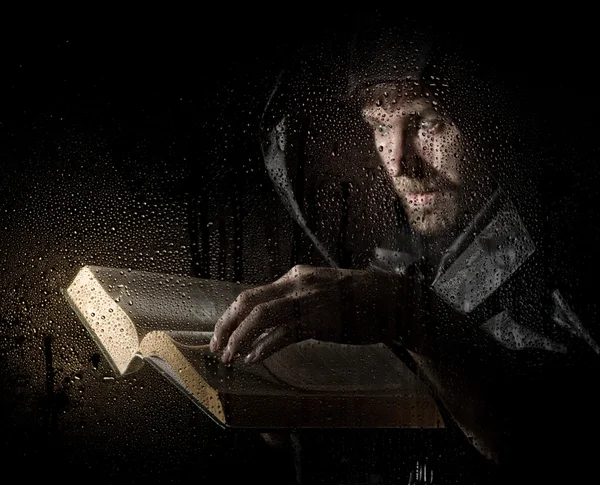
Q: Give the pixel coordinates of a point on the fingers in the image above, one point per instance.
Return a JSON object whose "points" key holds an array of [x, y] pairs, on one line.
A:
{"points": [[240, 309], [255, 312], [273, 325], [302, 275], [276, 313], [275, 340], [297, 278]]}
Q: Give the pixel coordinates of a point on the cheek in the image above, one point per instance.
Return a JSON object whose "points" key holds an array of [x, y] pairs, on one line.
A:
{"points": [[384, 147], [445, 153]]}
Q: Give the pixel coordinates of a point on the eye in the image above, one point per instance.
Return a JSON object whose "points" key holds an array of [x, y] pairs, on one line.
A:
{"points": [[382, 129], [430, 124]]}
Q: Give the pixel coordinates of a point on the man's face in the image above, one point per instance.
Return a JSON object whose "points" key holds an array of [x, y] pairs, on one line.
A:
{"points": [[422, 152]]}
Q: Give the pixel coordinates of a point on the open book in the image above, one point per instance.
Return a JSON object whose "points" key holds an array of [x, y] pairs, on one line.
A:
{"points": [[167, 321]]}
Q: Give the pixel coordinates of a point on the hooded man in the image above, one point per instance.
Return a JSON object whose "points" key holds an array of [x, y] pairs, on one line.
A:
{"points": [[409, 175]]}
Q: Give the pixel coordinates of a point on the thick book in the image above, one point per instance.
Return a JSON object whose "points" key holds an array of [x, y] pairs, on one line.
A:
{"points": [[138, 317]]}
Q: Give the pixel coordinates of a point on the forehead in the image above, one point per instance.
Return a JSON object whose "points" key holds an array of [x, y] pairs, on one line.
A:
{"points": [[401, 99]]}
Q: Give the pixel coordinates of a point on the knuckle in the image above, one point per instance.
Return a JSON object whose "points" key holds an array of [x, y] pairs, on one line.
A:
{"points": [[234, 340], [223, 324], [260, 311], [246, 298], [303, 275], [301, 270], [218, 331], [241, 338], [246, 295]]}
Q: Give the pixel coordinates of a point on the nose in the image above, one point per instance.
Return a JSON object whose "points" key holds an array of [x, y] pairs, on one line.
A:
{"points": [[403, 157]]}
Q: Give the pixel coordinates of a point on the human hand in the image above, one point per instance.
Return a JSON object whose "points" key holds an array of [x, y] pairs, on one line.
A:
{"points": [[330, 304]]}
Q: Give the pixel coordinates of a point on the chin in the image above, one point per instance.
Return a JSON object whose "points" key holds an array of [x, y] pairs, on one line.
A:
{"points": [[436, 219], [432, 225]]}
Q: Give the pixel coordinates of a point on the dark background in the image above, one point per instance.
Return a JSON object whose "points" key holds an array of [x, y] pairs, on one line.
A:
{"points": [[183, 86], [112, 124], [186, 80]]}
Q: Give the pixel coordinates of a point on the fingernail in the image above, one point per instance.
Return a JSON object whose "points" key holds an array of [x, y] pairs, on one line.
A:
{"points": [[226, 357], [251, 357], [214, 346]]}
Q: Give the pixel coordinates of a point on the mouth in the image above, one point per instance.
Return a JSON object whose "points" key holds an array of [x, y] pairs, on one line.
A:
{"points": [[421, 199]]}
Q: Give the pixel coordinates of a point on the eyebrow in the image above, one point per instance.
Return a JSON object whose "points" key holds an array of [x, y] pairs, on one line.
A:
{"points": [[427, 111], [430, 110], [372, 119]]}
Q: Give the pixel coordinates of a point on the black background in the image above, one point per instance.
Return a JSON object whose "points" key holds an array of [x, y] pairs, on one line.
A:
{"points": [[176, 95], [184, 80]]}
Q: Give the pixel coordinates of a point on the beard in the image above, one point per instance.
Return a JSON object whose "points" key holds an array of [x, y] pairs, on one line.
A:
{"points": [[431, 205], [432, 214]]}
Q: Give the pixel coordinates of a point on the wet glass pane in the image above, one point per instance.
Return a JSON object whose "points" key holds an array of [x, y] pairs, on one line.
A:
{"points": [[417, 190]]}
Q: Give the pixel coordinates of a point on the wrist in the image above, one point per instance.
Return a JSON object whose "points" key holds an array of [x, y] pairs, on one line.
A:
{"points": [[372, 306], [431, 327]]}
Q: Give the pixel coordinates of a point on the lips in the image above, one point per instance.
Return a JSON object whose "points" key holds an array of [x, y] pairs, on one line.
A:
{"points": [[420, 199]]}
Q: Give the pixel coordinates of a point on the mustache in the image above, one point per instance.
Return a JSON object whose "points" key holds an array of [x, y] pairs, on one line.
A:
{"points": [[429, 184]]}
